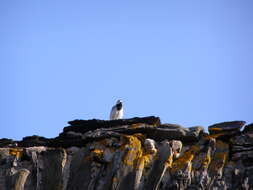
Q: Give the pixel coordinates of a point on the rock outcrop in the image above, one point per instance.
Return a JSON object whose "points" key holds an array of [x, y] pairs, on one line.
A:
{"points": [[137, 153]]}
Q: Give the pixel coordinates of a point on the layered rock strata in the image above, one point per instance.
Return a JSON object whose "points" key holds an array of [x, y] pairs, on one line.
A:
{"points": [[137, 153]]}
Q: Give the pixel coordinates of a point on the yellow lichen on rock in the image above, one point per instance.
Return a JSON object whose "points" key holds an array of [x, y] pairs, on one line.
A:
{"points": [[223, 155], [134, 149], [98, 153], [169, 161], [114, 180], [141, 137], [144, 160], [18, 152], [185, 159], [136, 155], [206, 161], [215, 129], [136, 125], [220, 157], [214, 136]]}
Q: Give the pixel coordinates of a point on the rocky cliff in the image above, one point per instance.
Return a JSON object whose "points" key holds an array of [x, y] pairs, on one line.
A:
{"points": [[137, 153]]}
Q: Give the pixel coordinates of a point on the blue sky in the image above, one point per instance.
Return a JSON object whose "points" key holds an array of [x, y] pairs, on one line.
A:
{"points": [[188, 62]]}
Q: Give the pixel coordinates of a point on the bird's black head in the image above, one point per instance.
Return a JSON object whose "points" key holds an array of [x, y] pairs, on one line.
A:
{"points": [[119, 104]]}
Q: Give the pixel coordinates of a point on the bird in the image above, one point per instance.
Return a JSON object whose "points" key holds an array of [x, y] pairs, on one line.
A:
{"points": [[117, 111]]}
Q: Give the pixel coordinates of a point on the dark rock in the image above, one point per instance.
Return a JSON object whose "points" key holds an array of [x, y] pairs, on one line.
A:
{"points": [[245, 140], [83, 126], [226, 127], [51, 172], [80, 170], [248, 128], [242, 148], [34, 140], [7, 143], [245, 156], [66, 142], [160, 133]]}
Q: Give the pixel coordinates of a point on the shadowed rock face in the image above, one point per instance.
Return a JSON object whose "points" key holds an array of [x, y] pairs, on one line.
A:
{"points": [[137, 153]]}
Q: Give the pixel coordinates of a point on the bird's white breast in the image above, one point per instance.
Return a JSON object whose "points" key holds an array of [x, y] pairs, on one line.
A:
{"points": [[116, 114]]}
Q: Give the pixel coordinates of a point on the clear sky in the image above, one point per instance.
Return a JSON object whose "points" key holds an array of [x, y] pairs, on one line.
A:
{"points": [[189, 62]]}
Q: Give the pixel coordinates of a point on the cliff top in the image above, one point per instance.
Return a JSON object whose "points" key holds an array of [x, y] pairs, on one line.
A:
{"points": [[80, 132]]}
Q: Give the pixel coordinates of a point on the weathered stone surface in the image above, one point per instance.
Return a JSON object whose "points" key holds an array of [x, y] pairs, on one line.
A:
{"points": [[176, 132], [242, 148], [83, 126], [21, 179], [7, 143], [33, 141], [80, 137], [138, 154], [226, 127]]}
